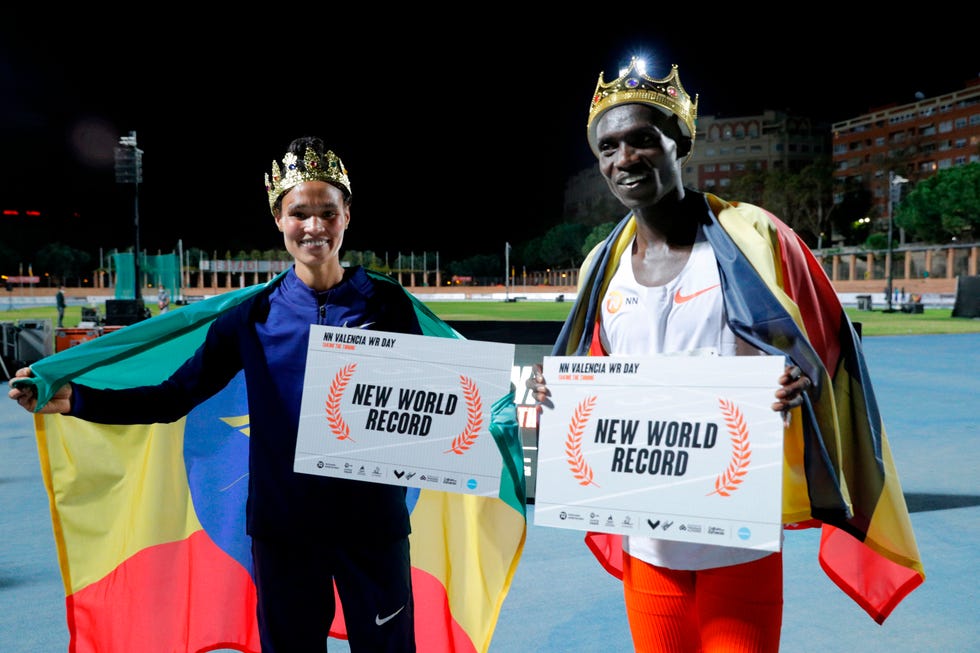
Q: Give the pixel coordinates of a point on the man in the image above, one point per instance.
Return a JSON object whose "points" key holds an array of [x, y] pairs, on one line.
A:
{"points": [[163, 299], [59, 302], [688, 272]]}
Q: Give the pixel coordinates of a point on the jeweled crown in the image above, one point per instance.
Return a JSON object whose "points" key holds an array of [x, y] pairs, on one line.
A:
{"points": [[634, 86], [329, 169]]}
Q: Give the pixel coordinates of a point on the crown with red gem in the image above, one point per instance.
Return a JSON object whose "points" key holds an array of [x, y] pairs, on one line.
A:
{"points": [[329, 169], [634, 86]]}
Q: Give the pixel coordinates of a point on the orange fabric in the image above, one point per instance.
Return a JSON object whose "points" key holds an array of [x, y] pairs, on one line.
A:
{"points": [[735, 609]]}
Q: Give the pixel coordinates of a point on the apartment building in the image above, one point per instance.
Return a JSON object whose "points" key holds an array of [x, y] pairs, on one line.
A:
{"points": [[913, 140], [726, 148]]}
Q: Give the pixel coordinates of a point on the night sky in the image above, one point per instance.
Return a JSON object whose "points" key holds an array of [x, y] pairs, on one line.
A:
{"points": [[459, 130]]}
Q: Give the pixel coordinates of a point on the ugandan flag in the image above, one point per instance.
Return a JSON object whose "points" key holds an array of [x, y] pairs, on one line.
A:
{"points": [[838, 472], [149, 520]]}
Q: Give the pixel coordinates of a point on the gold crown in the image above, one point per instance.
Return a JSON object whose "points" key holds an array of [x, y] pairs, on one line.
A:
{"points": [[633, 86], [329, 169]]}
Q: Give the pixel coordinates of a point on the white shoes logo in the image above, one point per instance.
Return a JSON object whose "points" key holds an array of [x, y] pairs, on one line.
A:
{"points": [[381, 622]]}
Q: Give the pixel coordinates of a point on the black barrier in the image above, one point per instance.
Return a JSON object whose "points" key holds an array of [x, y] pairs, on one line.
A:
{"points": [[513, 332], [967, 297], [123, 312]]}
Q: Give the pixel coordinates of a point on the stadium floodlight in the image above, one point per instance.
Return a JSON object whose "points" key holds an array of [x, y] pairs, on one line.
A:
{"points": [[894, 195]]}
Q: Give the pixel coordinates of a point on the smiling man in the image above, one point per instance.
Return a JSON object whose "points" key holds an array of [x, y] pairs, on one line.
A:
{"points": [[689, 273]]}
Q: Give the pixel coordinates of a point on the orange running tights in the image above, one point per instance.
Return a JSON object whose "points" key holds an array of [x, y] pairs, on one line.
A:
{"points": [[735, 609]]}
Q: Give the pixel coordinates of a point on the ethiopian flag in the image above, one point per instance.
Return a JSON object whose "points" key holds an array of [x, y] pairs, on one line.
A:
{"points": [[149, 520], [838, 472]]}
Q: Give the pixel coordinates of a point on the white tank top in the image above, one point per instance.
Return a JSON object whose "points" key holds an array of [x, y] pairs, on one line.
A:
{"points": [[685, 316]]}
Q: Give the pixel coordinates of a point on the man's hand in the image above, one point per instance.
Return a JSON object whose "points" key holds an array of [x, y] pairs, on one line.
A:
{"points": [[793, 384]]}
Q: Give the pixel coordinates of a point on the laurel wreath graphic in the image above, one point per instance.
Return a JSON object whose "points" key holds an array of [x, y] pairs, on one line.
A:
{"points": [[734, 474], [336, 421], [474, 418], [573, 443]]}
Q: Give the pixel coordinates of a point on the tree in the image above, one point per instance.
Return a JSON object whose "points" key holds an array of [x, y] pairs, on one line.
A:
{"points": [[367, 259], [596, 236], [846, 217], [193, 257], [811, 189], [561, 246], [877, 242], [749, 187], [529, 254], [944, 206], [483, 267], [65, 263], [801, 199], [777, 193]]}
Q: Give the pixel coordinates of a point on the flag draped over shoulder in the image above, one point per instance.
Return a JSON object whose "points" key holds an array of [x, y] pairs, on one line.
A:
{"points": [[838, 471], [149, 520]]}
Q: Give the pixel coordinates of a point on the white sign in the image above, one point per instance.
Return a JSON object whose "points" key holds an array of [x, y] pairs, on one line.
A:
{"points": [[683, 448], [402, 409]]}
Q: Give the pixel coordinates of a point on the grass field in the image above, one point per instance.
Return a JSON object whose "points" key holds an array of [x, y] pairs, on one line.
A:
{"points": [[873, 323]]}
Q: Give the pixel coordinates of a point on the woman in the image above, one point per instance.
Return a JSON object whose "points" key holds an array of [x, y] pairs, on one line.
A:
{"points": [[300, 525]]}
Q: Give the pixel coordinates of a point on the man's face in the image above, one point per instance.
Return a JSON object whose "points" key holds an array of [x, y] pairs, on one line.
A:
{"points": [[638, 154]]}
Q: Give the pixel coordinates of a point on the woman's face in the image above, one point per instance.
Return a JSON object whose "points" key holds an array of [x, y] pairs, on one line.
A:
{"points": [[312, 220]]}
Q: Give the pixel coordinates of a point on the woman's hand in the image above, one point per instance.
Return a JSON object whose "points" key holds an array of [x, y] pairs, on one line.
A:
{"points": [[539, 389], [26, 395]]}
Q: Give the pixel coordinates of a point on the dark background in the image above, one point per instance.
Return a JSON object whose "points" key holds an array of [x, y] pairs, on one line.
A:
{"points": [[459, 128]]}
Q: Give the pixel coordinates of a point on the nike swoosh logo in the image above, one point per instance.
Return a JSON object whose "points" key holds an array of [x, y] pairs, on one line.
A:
{"points": [[381, 622], [680, 299]]}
